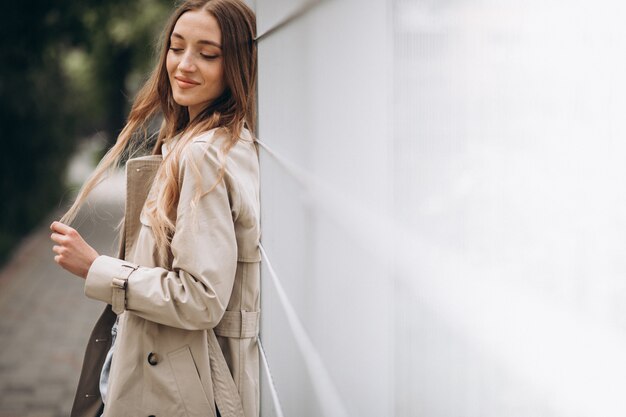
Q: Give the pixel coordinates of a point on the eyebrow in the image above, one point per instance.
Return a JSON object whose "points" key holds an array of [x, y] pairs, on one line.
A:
{"points": [[201, 41]]}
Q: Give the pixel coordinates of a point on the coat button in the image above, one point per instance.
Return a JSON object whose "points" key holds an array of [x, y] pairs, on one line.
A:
{"points": [[153, 358]]}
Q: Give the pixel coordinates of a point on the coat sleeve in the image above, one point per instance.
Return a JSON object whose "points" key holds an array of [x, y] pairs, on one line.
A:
{"points": [[195, 293]]}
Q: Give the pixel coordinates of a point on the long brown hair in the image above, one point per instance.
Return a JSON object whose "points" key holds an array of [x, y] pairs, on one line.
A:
{"points": [[231, 112]]}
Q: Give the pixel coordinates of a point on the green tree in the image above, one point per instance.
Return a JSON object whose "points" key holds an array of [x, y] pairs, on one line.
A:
{"points": [[67, 69]]}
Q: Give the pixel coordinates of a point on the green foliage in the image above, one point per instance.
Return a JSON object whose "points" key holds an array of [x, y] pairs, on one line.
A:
{"points": [[67, 70]]}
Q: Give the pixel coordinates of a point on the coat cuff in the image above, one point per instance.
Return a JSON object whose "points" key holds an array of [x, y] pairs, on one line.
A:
{"points": [[106, 281]]}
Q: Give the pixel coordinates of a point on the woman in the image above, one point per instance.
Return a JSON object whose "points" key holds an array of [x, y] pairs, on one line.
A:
{"points": [[178, 334]]}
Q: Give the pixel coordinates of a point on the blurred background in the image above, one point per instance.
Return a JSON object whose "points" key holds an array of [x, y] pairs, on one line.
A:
{"points": [[442, 192], [68, 71]]}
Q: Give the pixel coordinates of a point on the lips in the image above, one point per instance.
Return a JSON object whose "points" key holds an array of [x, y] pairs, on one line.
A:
{"points": [[186, 82]]}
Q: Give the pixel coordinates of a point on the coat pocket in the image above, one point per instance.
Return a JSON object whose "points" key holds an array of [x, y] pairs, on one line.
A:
{"points": [[189, 385]]}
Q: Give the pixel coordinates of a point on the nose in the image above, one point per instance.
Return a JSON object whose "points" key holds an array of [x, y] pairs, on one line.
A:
{"points": [[187, 63]]}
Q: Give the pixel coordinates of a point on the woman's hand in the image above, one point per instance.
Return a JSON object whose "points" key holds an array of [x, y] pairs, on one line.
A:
{"points": [[73, 253]]}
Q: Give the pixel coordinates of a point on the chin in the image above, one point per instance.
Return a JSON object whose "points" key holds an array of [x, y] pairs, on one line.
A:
{"points": [[183, 101]]}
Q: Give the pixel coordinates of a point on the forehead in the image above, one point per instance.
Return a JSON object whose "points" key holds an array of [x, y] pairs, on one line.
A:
{"points": [[198, 25]]}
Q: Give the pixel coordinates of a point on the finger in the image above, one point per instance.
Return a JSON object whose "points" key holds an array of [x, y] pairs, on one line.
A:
{"points": [[61, 228], [57, 249], [58, 238]]}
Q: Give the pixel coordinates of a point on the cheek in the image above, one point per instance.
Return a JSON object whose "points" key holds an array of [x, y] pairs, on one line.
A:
{"points": [[170, 64], [214, 80]]}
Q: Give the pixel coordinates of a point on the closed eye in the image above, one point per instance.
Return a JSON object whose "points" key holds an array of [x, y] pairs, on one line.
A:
{"points": [[205, 56]]}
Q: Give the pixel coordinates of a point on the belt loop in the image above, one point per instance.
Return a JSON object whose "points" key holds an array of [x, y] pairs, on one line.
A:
{"points": [[242, 327]]}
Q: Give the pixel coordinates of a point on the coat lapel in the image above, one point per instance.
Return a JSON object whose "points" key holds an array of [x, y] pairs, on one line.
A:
{"points": [[140, 173]]}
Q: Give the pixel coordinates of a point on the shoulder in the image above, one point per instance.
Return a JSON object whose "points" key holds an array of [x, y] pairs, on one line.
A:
{"points": [[204, 154], [204, 146], [211, 143], [219, 136]]}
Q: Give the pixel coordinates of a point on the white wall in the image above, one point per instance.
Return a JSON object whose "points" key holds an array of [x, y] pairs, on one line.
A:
{"points": [[324, 90], [444, 207]]}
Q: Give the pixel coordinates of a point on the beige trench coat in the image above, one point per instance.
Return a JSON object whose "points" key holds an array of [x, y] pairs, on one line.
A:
{"points": [[187, 334]]}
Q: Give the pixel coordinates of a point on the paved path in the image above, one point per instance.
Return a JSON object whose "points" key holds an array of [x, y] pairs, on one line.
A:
{"points": [[45, 318]]}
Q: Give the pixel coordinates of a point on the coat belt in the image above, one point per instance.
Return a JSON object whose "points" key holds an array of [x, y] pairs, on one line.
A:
{"points": [[238, 324], [224, 389]]}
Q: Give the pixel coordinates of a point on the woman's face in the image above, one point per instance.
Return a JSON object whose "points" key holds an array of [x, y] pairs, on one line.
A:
{"points": [[194, 61]]}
